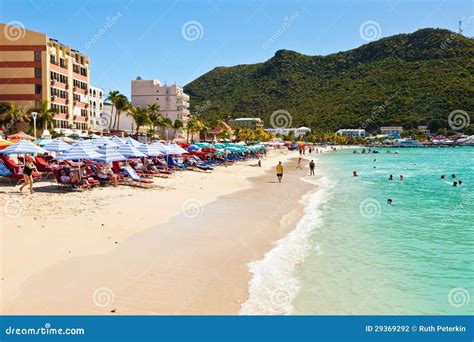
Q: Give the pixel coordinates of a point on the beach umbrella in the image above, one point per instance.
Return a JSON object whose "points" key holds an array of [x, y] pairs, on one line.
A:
{"points": [[43, 141], [164, 149], [4, 143], [104, 141], [21, 135], [116, 139], [149, 150], [110, 154], [23, 147], [176, 149], [194, 148], [133, 142], [57, 145], [79, 152], [86, 144], [129, 151]]}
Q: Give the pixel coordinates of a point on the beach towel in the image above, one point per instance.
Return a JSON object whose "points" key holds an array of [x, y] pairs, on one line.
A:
{"points": [[4, 171]]}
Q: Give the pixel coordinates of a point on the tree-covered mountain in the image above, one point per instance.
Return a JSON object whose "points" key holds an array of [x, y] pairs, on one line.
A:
{"points": [[406, 79]]}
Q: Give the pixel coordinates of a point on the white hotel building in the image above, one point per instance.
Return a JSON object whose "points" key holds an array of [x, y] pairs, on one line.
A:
{"points": [[96, 107], [298, 132], [350, 132], [173, 102]]}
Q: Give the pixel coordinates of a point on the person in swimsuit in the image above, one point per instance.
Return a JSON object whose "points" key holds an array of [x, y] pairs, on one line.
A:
{"points": [[27, 174], [279, 170]]}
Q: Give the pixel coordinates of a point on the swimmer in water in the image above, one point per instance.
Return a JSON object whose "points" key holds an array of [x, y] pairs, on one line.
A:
{"points": [[354, 174], [391, 177], [389, 201]]}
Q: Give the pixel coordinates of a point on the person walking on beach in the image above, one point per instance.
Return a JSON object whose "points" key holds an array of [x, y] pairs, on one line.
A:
{"points": [[27, 174], [311, 168], [279, 169], [299, 163]]}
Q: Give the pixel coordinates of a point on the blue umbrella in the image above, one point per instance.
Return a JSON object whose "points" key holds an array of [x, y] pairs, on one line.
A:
{"points": [[164, 149], [57, 145], [133, 142], [149, 150], [43, 141], [110, 154], [129, 151], [23, 147], [193, 148], [103, 141], [116, 139], [79, 152]]}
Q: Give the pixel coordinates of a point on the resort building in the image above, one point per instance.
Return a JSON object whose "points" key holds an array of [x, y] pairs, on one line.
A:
{"points": [[424, 130], [96, 106], [173, 102], [297, 132], [354, 133], [391, 129], [35, 67], [251, 123]]}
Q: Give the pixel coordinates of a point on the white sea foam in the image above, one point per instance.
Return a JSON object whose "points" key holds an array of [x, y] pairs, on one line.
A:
{"points": [[274, 285]]}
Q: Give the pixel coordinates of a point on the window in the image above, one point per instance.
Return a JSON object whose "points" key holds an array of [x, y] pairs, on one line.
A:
{"points": [[167, 99], [38, 72], [37, 56], [62, 63], [52, 59], [38, 89]]}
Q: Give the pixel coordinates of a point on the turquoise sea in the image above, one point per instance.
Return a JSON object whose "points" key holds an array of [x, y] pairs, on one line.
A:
{"points": [[364, 256], [352, 253]]}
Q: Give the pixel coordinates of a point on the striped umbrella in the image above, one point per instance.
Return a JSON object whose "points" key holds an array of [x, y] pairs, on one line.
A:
{"points": [[103, 141], [149, 150], [79, 152], [86, 144], [57, 145], [110, 154], [129, 151], [116, 139], [21, 147], [164, 149], [133, 142], [176, 149]]}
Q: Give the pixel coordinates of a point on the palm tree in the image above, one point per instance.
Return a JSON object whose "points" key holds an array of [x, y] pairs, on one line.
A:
{"points": [[45, 115], [166, 124], [177, 125], [111, 97], [190, 125], [140, 116], [121, 104], [13, 116], [154, 114]]}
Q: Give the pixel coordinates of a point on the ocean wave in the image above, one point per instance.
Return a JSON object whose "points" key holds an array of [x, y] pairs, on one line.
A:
{"points": [[274, 285]]}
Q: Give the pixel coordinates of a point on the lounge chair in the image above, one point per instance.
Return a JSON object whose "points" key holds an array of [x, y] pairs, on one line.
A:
{"points": [[69, 185], [130, 172]]}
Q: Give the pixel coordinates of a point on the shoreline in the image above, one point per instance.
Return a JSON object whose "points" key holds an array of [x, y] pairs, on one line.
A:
{"points": [[16, 298]]}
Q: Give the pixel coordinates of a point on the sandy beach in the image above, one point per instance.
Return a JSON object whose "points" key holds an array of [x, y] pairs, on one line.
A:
{"points": [[180, 248]]}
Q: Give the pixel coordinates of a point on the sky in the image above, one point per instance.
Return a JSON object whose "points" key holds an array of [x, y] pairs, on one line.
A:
{"points": [[176, 41]]}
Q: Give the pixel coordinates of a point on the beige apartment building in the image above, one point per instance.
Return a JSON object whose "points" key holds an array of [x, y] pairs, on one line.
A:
{"points": [[35, 67], [173, 102]]}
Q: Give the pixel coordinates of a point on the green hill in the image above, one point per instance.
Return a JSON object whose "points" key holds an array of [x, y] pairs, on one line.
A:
{"points": [[406, 79]]}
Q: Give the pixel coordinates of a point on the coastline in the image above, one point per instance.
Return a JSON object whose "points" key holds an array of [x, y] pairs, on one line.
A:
{"points": [[185, 266]]}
